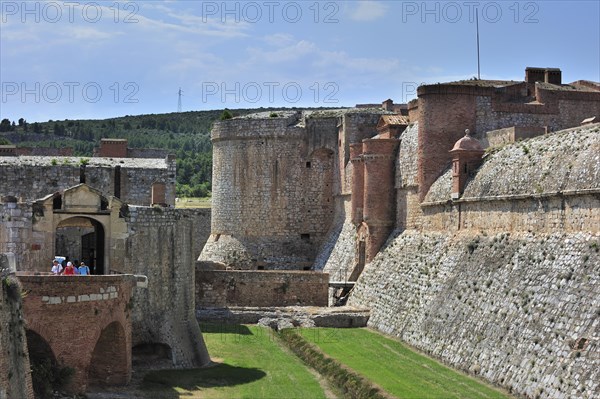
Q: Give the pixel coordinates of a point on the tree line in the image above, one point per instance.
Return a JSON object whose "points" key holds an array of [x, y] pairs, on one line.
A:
{"points": [[186, 134]]}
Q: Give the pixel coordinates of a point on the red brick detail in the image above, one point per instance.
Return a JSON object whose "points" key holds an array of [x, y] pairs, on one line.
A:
{"points": [[358, 173], [159, 193], [113, 148], [93, 336], [379, 193], [443, 119]]}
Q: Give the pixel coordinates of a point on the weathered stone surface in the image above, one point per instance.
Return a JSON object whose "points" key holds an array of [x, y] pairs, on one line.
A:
{"points": [[223, 288], [15, 379], [519, 309]]}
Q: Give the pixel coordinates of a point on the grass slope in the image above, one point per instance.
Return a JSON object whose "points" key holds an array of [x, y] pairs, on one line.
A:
{"points": [[396, 368], [252, 364]]}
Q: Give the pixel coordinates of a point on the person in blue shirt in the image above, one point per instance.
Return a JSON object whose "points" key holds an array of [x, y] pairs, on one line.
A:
{"points": [[84, 270]]}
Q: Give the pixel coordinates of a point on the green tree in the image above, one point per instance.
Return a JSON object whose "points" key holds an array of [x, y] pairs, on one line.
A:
{"points": [[5, 125]]}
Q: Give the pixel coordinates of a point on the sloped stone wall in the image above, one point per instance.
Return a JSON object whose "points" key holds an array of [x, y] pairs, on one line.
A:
{"points": [[520, 310]]}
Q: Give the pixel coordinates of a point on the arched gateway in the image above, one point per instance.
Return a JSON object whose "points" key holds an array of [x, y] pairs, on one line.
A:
{"points": [[82, 224]]}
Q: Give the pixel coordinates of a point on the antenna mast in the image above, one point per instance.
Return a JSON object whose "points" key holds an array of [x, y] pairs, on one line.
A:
{"points": [[179, 101], [477, 24]]}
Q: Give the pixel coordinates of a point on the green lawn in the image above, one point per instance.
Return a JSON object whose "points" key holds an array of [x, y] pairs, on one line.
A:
{"points": [[204, 202], [251, 364], [396, 368]]}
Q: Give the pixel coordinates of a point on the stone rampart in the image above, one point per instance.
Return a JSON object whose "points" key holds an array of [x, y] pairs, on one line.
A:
{"points": [[163, 244], [15, 376], [518, 309], [564, 161], [225, 288]]}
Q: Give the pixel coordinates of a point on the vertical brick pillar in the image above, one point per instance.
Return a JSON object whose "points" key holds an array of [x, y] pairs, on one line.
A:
{"points": [[358, 173], [466, 157], [379, 192]]}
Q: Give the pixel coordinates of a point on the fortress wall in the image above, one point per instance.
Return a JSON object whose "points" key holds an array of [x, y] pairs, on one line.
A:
{"points": [[446, 110], [15, 235], [163, 244], [542, 213], [32, 178], [519, 309], [15, 376], [32, 182], [561, 113], [224, 288]]}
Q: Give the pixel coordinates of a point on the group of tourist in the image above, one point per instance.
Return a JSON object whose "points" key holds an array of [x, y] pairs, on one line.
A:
{"points": [[70, 269]]}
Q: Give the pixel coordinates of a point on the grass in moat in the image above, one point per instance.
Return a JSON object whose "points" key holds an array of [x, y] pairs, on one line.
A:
{"points": [[195, 202], [396, 368], [251, 363]]}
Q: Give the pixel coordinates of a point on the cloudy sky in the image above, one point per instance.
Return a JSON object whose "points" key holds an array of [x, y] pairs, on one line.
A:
{"points": [[70, 60]]}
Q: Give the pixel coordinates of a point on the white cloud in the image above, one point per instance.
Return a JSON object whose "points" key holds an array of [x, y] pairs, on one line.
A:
{"points": [[368, 10], [279, 39]]}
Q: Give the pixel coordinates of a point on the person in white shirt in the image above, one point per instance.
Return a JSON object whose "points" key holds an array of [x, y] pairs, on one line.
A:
{"points": [[56, 268]]}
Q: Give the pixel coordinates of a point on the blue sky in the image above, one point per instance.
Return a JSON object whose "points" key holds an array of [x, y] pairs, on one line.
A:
{"points": [[71, 60]]}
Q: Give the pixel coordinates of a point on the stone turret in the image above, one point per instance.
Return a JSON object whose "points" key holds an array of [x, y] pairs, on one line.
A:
{"points": [[466, 157], [358, 182], [379, 195]]}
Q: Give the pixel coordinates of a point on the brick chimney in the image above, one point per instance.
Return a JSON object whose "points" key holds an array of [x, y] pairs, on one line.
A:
{"points": [[113, 148]]}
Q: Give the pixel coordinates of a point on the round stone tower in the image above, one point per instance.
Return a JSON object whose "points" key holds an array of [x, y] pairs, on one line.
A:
{"points": [[272, 190]]}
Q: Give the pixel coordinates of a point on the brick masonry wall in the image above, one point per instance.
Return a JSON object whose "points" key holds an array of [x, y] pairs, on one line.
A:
{"points": [[518, 309], [56, 308], [163, 244], [224, 288], [15, 378]]}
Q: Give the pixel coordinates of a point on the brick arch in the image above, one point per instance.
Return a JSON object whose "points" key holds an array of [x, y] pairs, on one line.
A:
{"points": [[40, 352], [109, 363]]}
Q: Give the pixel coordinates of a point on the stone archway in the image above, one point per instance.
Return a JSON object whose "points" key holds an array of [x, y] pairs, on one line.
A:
{"points": [[110, 363], [82, 238], [42, 361]]}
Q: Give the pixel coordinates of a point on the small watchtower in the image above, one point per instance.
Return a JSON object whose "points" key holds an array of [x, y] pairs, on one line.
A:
{"points": [[467, 154]]}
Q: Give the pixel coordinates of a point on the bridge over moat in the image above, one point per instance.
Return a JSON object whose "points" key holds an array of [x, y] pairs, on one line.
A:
{"points": [[83, 322]]}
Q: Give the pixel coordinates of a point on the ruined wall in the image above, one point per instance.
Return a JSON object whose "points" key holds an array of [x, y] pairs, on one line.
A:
{"points": [[519, 309], [224, 288], [272, 190], [163, 244], [30, 178], [15, 376]]}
